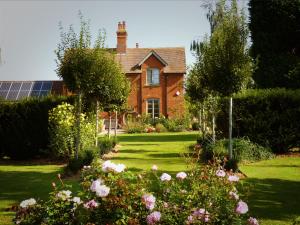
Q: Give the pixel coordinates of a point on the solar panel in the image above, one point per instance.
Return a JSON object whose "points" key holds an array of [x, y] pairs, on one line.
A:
{"points": [[26, 86], [17, 90], [23, 94], [37, 85], [15, 86], [5, 86], [12, 95], [47, 85]]}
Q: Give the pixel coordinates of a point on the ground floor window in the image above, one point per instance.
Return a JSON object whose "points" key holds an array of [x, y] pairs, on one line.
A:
{"points": [[153, 107]]}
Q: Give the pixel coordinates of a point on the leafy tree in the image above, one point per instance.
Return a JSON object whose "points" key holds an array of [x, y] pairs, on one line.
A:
{"points": [[275, 33], [224, 66], [89, 70]]}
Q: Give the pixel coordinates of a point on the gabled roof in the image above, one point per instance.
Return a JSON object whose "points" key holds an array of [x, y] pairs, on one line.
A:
{"points": [[172, 58], [152, 52]]}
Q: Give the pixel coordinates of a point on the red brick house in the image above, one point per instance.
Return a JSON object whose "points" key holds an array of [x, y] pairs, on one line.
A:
{"points": [[156, 76]]}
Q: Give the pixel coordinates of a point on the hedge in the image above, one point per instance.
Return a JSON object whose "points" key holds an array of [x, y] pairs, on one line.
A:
{"points": [[269, 117], [24, 126]]}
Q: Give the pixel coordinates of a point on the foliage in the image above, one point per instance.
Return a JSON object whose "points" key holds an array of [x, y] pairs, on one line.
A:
{"points": [[111, 195], [106, 144], [85, 157], [62, 134], [296, 221], [275, 26], [159, 128], [266, 117], [243, 151], [24, 127]]}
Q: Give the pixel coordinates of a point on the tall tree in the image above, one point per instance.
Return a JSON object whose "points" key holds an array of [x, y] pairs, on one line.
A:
{"points": [[89, 70], [275, 33], [224, 66]]}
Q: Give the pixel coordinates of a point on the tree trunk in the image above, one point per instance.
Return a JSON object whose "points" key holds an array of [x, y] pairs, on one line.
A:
{"points": [[78, 114], [230, 128], [97, 123], [203, 122], [109, 125], [116, 123], [213, 128], [200, 121]]}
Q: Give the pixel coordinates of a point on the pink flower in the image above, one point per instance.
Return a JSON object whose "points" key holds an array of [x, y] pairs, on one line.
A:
{"points": [[234, 195], [165, 177], [181, 175], [166, 205], [233, 178], [153, 217], [220, 173], [253, 221], [108, 166], [242, 207], [154, 168], [90, 204], [190, 219], [149, 201], [201, 214], [95, 185]]}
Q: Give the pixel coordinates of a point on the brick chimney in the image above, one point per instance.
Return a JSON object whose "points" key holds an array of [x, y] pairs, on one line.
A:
{"points": [[121, 38]]}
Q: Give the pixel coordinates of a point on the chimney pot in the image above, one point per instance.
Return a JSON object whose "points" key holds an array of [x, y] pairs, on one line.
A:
{"points": [[137, 45], [121, 38]]}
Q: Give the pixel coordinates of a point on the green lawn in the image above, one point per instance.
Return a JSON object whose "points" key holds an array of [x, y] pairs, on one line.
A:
{"points": [[275, 184], [141, 151], [275, 196], [21, 181]]}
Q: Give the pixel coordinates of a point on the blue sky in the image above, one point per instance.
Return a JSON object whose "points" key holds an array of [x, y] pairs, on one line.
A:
{"points": [[29, 31]]}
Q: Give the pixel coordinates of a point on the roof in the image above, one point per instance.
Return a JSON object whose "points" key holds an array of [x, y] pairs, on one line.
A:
{"points": [[173, 58]]}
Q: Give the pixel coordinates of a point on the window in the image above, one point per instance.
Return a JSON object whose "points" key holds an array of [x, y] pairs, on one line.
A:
{"points": [[153, 107], [152, 76]]}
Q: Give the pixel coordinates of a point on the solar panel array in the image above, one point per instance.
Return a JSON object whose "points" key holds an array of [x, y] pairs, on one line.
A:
{"points": [[16, 90]]}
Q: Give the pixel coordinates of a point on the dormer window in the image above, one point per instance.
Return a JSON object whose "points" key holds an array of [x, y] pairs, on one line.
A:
{"points": [[152, 76]]}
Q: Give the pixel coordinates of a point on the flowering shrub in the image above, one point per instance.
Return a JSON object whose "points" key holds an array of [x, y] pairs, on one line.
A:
{"points": [[112, 195], [62, 131]]}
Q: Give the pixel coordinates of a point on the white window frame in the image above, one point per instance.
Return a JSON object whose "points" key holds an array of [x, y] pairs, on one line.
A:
{"points": [[152, 81], [152, 100]]}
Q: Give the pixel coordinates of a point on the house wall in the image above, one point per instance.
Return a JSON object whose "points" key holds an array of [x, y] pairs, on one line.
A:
{"points": [[170, 103]]}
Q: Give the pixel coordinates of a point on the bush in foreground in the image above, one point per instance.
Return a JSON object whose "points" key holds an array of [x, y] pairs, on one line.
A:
{"points": [[112, 195]]}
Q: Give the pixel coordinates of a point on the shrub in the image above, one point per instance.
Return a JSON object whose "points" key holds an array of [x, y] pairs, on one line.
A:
{"points": [[63, 131], [24, 127], [107, 144], [195, 126], [85, 157], [111, 195], [267, 117], [243, 151], [177, 124], [160, 128], [296, 221]]}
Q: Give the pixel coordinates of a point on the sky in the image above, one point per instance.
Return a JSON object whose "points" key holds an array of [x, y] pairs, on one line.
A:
{"points": [[29, 31]]}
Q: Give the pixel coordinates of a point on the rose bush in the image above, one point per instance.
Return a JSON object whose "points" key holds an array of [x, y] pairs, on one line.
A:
{"points": [[112, 195]]}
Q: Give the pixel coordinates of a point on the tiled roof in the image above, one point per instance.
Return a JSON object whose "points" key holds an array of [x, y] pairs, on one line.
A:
{"points": [[174, 57]]}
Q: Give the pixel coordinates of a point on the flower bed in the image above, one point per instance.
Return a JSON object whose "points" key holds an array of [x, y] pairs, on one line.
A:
{"points": [[112, 195]]}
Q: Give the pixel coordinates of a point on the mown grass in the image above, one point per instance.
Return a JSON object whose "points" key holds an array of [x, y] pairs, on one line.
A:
{"points": [[275, 184], [19, 181], [275, 190]]}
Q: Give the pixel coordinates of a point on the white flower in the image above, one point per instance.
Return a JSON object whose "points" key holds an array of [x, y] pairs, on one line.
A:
{"points": [[233, 178], [154, 168], [220, 173], [102, 191], [119, 168], [234, 195], [181, 175], [77, 200], [64, 195], [96, 184], [165, 177], [28, 202], [108, 166]]}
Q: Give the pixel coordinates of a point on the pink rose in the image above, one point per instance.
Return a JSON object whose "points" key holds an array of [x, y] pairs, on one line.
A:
{"points": [[220, 173], [149, 201], [241, 208], [253, 221], [181, 175], [165, 177], [153, 218]]}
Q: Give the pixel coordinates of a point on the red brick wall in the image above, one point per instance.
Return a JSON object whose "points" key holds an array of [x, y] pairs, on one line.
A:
{"points": [[169, 84]]}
